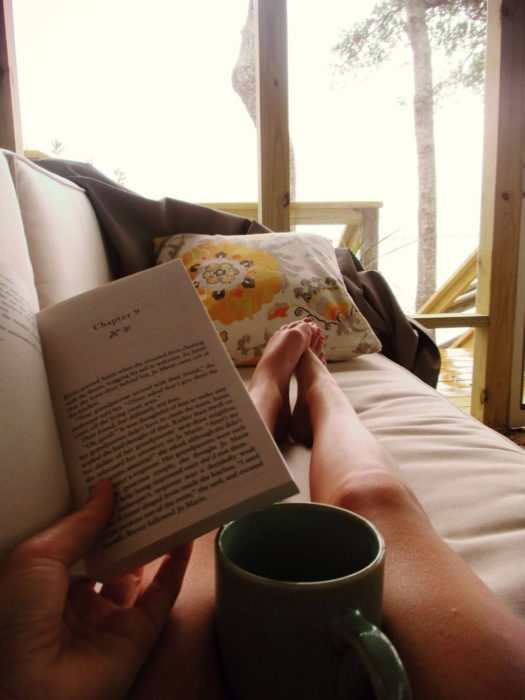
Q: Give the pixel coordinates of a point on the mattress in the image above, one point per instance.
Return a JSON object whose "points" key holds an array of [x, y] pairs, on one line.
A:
{"points": [[469, 478]]}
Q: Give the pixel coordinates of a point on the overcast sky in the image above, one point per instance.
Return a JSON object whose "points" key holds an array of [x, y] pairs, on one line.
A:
{"points": [[146, 88]]}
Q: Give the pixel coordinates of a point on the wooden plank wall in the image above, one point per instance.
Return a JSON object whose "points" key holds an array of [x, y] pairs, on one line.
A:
{"points": [[501, 210]]}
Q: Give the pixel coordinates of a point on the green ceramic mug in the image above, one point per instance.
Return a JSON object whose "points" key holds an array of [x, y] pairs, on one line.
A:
{"points": [[299, 589]]}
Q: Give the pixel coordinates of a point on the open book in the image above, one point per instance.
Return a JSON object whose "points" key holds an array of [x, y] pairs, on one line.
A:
{"points": [[129, 381]]}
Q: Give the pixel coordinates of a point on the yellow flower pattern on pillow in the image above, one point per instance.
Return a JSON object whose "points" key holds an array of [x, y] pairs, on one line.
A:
{"points": [[253, 284], [233, 281]]}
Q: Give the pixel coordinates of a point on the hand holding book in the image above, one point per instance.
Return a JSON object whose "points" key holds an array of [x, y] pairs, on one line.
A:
{"points": [[134, 385], [90, 645]]}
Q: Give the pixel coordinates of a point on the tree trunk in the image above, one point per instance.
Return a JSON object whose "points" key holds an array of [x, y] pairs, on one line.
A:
{"points": [[243, 75], [244, 80], [424, 128]]}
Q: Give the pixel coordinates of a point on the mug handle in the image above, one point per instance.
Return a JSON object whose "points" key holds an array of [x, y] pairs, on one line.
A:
{"points": [[376, 652]]}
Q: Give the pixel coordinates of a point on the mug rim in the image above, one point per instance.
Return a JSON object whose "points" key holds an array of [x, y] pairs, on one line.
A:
{"points": [[329, 582]]}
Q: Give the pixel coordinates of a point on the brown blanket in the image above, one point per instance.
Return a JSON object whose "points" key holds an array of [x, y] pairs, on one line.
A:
{"points": [[129, 222]]}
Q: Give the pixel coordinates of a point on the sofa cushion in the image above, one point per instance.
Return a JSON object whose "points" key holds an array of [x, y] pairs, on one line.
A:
{"points": [[469, 479], [63, 236], [13, 245]]}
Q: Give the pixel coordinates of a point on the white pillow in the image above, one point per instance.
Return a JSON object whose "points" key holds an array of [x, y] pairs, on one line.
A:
{"points": [[251, 285], [63, 236]]}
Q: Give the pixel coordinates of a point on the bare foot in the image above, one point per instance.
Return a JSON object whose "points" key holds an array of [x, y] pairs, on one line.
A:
{"points": [[311, 370], [270, 383]]}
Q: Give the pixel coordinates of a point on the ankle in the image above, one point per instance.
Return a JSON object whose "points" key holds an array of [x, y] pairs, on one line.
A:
{"points": [[266, 379]]}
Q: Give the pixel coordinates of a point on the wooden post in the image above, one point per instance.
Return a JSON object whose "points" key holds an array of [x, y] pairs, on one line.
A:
{"points": [[370, 239], [272, 113], [501, 210], [10, 125]]}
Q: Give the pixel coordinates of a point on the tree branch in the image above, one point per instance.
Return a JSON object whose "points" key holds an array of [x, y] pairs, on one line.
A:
{"points": [[370, 42]]}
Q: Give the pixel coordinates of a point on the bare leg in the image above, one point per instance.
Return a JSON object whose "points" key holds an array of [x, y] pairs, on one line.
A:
{"points": [[455, 637], [270, 383], [342, 446]]}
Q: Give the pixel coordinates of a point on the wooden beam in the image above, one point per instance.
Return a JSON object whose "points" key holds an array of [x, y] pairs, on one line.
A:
{"points": [[458, 283], [10, 124], [504, 143], [451, 320], [330, 212], [272, 113], [369, 253], [306, 213]]}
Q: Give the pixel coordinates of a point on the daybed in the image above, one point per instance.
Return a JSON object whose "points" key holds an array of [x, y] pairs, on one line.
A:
{"points": [[470, 479]]}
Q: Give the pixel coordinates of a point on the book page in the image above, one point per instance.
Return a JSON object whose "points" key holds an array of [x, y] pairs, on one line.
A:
{"points": [[146, 394], [34, 489]]}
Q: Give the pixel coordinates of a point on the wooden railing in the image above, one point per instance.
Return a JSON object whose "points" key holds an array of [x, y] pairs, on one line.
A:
{"points": [[443, 309], [446, 308], [360, 221]]}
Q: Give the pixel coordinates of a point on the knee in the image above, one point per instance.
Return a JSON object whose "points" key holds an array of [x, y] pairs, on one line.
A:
{"points": [[375, 490]]}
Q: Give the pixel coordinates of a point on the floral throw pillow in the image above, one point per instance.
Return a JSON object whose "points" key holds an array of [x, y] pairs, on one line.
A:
{"points": [[251, 285]]}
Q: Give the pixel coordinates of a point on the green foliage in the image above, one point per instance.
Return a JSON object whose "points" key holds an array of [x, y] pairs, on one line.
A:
{"points": [[370, 43], [56, 148], [120, 176], [456, 28]]}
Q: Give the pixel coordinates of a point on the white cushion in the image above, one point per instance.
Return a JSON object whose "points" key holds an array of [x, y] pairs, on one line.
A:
{"points": [[63, 236], [13, 243], [469, 479]]}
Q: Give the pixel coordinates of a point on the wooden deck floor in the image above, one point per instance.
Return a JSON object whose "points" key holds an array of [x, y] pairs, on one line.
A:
{"points": [[455, 382], [455, 378]]}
